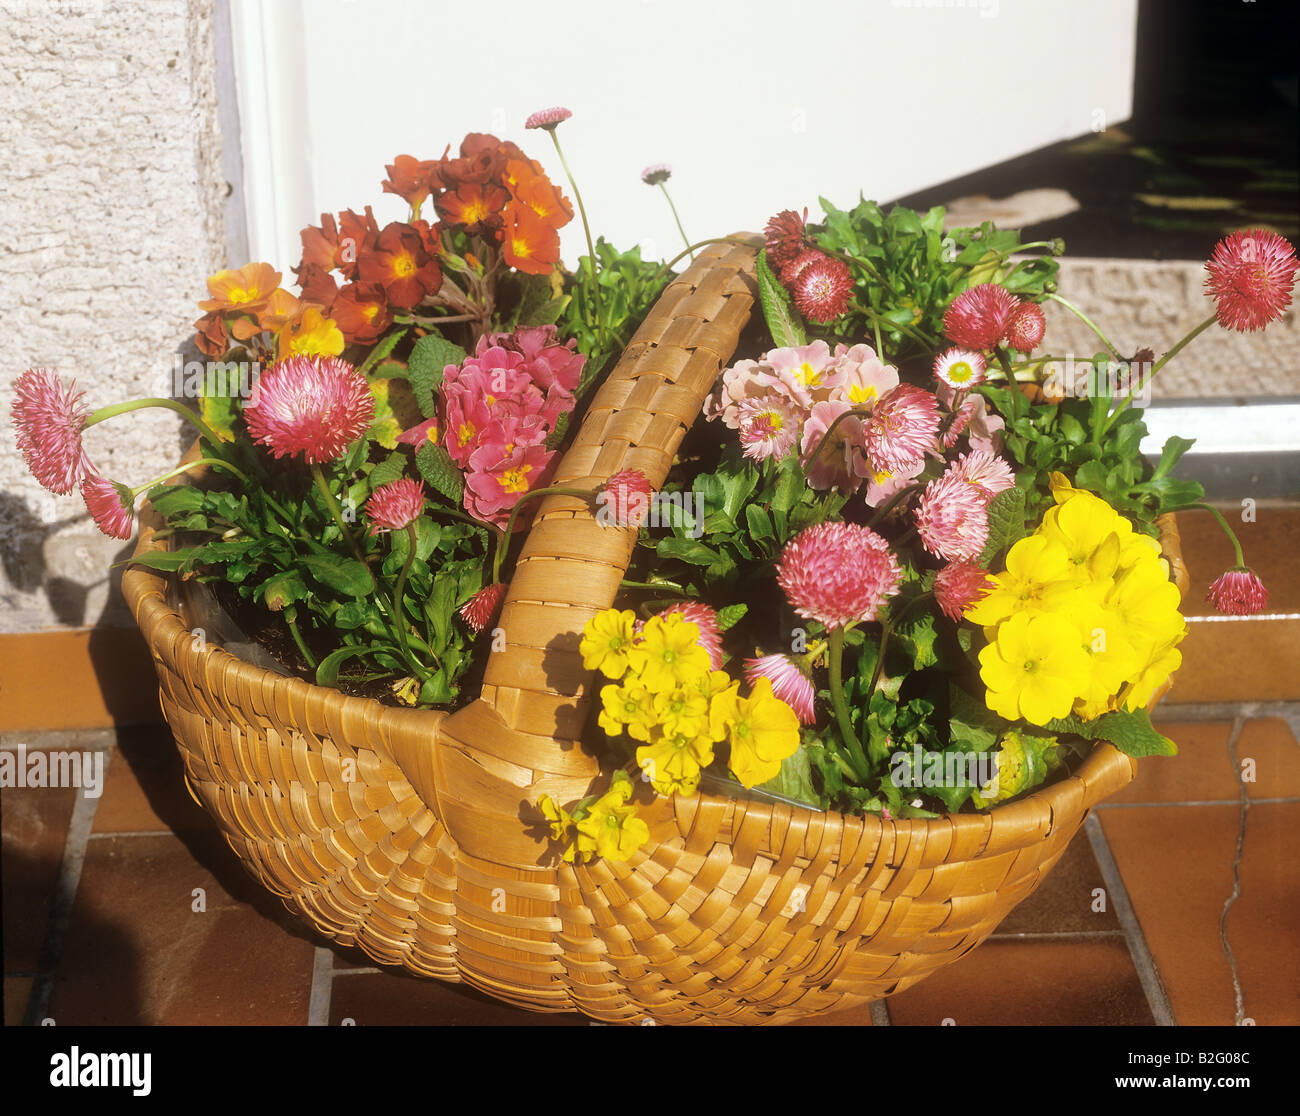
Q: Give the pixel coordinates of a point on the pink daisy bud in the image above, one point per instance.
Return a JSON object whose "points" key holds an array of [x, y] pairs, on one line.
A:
{"points": [[768, 426], [549, 118], [482, 608], [394, 506], [48, 419], [958, 586], [316, 406], [960, 368], [822, 289], [654, 175], [704, 618], [624, 499], [901, 428], [1239, 592], [1250, 277], [838, 573], [952, 518], [986, 471], [111, 506], [789, 683], [978, 318], [785, 237], [1026, 328]]}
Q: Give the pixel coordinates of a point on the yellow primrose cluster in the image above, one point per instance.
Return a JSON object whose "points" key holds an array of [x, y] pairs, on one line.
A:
{"points": [[1084, 618], [606, 827], [664, 694]]}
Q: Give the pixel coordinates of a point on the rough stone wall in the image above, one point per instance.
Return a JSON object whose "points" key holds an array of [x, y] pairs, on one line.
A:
{"points": [[111, 203]]}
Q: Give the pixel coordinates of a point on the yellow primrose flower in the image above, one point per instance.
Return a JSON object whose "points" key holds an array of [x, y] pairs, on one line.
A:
{"points": [[668, 654], [763, 730], [1112, 655], [1039, 572], [673, 763], [628, 705], [606, 639], [561, 820], [684, 710], [612, 829], [309, 333], [1163, 662], [1032, 669], [1146, 601]]}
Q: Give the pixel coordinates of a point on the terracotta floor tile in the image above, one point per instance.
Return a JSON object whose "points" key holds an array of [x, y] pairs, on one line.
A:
{"points": [[145, 788], [1039, 983], [1176, 862], [1246, 658], [17, 992], [1064, 899], [845, 1017], [1270, 544], [1264, 923], [137, 953], [1271, 744], [1202, 770], [397, 1000], [35, 826]]}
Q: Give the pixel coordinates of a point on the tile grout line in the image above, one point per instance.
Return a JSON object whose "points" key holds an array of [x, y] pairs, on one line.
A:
{"points": [[65, 893], [1152, 987], [1244, 807], [1288, 711], [322, 985]]}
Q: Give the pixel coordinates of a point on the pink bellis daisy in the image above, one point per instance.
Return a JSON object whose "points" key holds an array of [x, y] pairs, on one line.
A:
{"points": [[986, 471], [704, 618], [111, 506], [959, 368], [316, 406], [822, 288], [838, 573], [654, 175], [482, 608], [549, 118], [901, 428], [1250, 277], [1238, 592], [785, 237], [768, 426], [624, 499], [978, 318], [958, 586], [952, 518], [48, 419], [394, 506], [1026, 329], [789, 683]]}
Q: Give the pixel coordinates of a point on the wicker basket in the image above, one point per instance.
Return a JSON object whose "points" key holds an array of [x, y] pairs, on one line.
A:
{"points": [[414, 834]]}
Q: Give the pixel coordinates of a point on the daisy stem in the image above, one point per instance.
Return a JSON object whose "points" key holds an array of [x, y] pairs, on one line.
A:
{"points": [[880, 348], [889, 505], [844, 257], [1070, 306], [1232, 538], [116, 409], [186, 468], [586, 228], [1191, 336], [399, 619], [685, 239], [821, 444], [503, 544], [851, 741], [291, 618], [330, 502], [908, 330]]}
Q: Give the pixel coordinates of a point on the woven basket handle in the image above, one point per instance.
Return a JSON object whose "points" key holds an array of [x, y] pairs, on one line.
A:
{"points": [[496, 757]]}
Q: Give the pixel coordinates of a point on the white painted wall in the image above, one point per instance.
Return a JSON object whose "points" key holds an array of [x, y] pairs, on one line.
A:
{"points": [[757, 106]]}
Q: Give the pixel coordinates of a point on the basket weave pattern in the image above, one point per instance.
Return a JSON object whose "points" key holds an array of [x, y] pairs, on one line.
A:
{"points": [[414, 834]]}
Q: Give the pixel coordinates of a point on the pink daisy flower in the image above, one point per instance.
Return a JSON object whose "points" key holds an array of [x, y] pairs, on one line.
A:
{"points": [[1250, 277], [821, 290], [316, 406], [482, 608], [901, 428], [549, 118], [657, 173], [769, 427], [392, 507], [799, 263], [111, 506], [958, 586], [959, 368], [784, 237], [1026, 329], [789, 683], [48, 419], [704, 618], [952, 518], [978, 317], [838, 573], [624, 499], [986, 471], [1238, 592]]}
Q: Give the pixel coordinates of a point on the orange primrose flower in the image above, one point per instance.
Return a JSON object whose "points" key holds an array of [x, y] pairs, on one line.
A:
{"points": [[528, 242], [412, 179], [361, 312], [475, 205], [399, 263], [538, 192], [244, 290]]}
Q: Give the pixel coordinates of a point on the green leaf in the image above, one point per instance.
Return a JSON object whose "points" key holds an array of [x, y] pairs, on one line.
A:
{"points": [[759, 522], [1130, 731], [177, 498], [392, 468], [327, 674], [382, 348], [167, 560], [1174, 448], [782, 319], [429, 359], [437, 467], [731, 615], [1006, 513], [346, 575], [794, 780], [556, 436], [687, 550]]}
